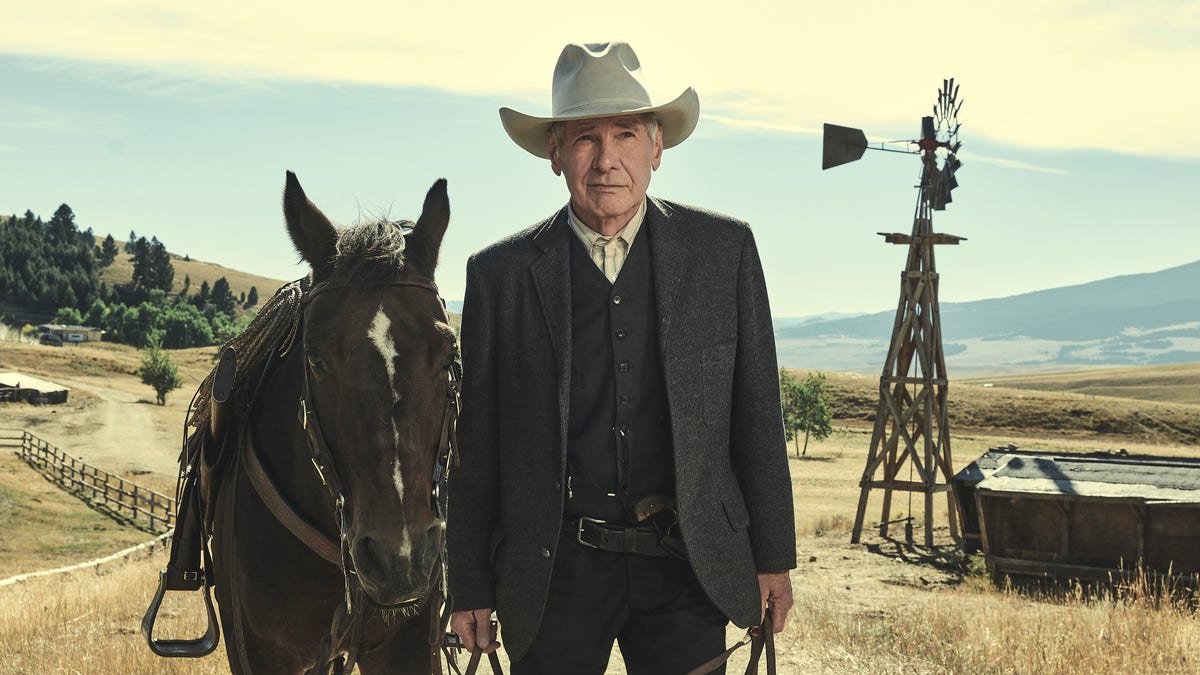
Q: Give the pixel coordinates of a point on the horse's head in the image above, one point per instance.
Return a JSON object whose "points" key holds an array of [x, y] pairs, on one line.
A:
{"points": [[377, 349]]}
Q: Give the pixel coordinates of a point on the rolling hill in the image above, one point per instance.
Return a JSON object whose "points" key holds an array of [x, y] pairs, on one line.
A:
{"points": [[1140, 319]]}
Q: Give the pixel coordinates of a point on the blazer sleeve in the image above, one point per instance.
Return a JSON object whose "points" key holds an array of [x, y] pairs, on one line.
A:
{"points": [[474, 480], [758, 447]]}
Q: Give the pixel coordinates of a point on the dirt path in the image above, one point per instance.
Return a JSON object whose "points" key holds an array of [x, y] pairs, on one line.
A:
{"points": [[110, 419]]}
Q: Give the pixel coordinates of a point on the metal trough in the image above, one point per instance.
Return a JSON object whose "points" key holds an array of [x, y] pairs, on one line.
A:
{"points": [[1081, 516]]}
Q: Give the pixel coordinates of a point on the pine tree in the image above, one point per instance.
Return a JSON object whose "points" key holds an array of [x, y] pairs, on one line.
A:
{"points": [[108, 251], [251, 298]]}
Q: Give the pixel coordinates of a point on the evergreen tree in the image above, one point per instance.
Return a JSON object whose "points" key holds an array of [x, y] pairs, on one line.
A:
{"points": [[152, 267], [251, 298], [108, 251], [130, 242], [61, 228], [222, 298]]}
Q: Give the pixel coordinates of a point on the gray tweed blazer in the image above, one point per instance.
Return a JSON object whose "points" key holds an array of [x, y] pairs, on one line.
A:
{"points": [[718, 355]]}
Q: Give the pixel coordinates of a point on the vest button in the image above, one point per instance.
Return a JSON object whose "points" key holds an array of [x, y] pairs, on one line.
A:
{"points": [[623, 366], [545, 553], [624, 399], [620, 333], [616, 299]]}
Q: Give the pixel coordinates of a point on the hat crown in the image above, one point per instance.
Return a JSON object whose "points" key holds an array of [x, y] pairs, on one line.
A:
{"points": [[599, 78]]}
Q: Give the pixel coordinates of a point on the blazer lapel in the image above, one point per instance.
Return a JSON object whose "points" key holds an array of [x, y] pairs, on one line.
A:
{"points": [[668, 246], [551, 274]]}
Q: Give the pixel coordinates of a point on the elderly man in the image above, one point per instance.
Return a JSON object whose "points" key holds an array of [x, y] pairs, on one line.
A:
{"points": [[623, 468]]}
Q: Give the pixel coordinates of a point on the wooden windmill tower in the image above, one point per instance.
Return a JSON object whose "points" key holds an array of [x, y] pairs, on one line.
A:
{"points": [[910, 444]]}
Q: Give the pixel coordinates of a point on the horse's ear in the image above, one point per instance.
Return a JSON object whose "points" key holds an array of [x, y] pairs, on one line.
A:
{"points": [[313, 235], [425, 240]]}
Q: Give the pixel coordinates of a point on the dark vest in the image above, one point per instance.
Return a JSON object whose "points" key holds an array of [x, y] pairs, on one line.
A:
{"points": [[619, 442]]}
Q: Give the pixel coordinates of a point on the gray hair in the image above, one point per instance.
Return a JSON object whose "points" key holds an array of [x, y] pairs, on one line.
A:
{"points": [[556, 131]]}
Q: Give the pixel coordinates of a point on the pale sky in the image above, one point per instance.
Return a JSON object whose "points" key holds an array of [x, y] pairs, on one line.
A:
{"points": [[1081, 123]]}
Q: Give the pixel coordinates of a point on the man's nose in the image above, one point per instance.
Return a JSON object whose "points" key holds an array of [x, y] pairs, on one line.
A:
{"points": [[606, 156]]}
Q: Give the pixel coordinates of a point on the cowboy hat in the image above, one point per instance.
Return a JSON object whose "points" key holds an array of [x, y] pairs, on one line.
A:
{"points": [[600, 80]]}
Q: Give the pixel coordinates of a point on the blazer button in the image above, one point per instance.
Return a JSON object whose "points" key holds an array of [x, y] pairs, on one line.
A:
{"points": [[546, 553], [624, 399], [620, 333], [616, 299], [623, 366]]}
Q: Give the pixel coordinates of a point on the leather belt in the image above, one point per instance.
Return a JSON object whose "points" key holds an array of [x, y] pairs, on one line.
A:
{"points": [[605, 536]]}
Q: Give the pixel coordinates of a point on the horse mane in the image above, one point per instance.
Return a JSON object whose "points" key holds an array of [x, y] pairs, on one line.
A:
{"points": [[370, 252]]}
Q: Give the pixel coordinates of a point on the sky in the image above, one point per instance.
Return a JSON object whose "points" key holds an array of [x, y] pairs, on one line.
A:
{"points": [[1080, 124]]}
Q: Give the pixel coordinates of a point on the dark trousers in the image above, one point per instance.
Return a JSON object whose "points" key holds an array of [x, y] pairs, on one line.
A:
{"points": [[653, 607]]}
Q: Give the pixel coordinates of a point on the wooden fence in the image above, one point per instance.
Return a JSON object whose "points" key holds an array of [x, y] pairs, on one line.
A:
{"points": [[109, 493]]}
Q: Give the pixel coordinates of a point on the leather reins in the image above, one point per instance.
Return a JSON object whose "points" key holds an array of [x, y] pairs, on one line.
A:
{"points": [[347, 620]]}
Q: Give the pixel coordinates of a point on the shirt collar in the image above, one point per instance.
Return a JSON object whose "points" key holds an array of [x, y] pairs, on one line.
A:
{"points": [[589, 236]]}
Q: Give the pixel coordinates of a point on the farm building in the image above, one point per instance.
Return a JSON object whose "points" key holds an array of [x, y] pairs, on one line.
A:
{"points": [[1081, 516], [21, 387], [72, 333]]}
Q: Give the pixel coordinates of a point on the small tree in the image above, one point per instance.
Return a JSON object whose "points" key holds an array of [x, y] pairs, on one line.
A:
{"points": [[159, 371], [251, 298], [806, 407]]}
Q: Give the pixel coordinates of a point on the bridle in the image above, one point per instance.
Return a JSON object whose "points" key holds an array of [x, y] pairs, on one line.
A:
{"points": [[346, 625], [322, 457]]}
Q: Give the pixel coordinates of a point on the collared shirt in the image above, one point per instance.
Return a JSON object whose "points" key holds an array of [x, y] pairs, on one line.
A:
{"points": [[608, 253]]}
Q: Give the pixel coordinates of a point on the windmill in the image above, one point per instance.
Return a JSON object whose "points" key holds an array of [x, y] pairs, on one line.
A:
{"points": [[910, 443]]}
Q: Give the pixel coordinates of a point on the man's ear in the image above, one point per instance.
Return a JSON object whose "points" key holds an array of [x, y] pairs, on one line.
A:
{"points": [[658, 149], [554, 165]]}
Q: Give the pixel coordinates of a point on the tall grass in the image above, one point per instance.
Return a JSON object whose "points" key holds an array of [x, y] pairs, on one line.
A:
{"points": [[1140, 627]]}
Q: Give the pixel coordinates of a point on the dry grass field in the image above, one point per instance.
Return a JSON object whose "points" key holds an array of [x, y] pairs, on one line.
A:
{"points": [[880, 607]]}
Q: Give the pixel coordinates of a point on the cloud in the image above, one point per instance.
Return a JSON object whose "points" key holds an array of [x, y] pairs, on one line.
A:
{"points": [[1017, 164], [1037, 73]]}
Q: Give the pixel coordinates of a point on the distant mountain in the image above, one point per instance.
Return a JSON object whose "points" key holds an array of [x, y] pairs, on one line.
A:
{"points": [[1136, 319]]}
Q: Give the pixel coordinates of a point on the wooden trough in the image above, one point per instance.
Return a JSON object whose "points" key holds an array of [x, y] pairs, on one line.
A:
{"points": [[1085, 516]]}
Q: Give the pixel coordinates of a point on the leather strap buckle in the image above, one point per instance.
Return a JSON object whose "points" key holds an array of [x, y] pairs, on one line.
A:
{"points": [[579, 530]]}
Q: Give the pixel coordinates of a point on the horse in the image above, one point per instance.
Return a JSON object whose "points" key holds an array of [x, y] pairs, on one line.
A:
{"points": [[326, 537]]}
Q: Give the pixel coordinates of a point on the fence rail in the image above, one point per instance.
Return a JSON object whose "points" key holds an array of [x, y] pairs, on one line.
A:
{"points": [[112, 494]]}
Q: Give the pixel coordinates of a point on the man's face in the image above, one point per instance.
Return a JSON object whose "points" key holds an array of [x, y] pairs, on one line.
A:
{"points": [[607, 163]]}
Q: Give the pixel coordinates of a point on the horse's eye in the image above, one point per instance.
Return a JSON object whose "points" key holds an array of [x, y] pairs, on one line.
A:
{"points": [[316, 363], [451, 358]]}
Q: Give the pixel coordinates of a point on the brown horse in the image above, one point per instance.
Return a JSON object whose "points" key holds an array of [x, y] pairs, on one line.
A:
{"points": [[325, 541]]}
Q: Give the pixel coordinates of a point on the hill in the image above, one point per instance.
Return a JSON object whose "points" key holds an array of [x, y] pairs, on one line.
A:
{"points": [[1054, 405], [121, 272], [1139, 319]]}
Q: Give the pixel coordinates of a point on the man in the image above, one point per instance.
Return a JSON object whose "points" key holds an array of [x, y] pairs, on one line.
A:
{"points": [[623, 466]]}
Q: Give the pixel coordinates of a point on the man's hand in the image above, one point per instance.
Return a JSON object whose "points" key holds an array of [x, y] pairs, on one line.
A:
{"points": [[474, 627], [776, 590]]}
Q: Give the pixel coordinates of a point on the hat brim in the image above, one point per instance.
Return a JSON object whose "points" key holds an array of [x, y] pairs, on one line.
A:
{"points": [[678, 119]]}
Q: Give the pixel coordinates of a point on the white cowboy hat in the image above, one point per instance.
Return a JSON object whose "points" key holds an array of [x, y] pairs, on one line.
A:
{"points": [[600, 80]]}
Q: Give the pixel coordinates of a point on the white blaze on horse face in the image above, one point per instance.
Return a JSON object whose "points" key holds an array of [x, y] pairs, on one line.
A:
{"points": [[380, 335], [398, 479]]}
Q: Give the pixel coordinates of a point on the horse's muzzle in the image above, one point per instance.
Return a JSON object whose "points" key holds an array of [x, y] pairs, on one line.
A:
{"points": [[395, 570]]}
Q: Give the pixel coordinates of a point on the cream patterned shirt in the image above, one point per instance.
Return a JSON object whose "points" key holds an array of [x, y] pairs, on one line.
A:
{"points": [[608, 253]]}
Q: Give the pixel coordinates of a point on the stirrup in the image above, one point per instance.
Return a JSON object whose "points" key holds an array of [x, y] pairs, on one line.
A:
{"points": [[194, 648]]}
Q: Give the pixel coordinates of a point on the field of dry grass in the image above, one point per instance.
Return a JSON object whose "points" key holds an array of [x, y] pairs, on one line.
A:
{"points": [[879, 607]]}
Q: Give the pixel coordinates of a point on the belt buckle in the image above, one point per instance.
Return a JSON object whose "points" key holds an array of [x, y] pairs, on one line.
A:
{"points": [[579, 530]]}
